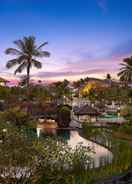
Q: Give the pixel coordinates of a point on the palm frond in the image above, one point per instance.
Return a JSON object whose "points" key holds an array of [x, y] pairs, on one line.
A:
{"points": [[125, 73], [29, 38], [29, 43], [42, 45], [12, 63], [20, 68], [20, 44], [13, 51], [22, 59], [16, 61], [123, 64], [128, 60], [36, 63], [42, 53]]}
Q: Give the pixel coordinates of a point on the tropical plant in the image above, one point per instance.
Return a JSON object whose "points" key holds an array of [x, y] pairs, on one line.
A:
{"points": [[109, 79], [64, 116], [61, 91], [26, 160], [26, 51], [125, 73], [108, 76], [15, 116], [126, 112]]}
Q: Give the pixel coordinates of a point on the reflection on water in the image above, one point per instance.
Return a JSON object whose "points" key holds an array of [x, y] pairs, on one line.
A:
{"points": [[101, 155], [46, 128]]}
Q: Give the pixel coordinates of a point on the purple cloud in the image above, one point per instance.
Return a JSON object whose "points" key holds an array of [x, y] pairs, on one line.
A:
{"points": [[70, 73]]}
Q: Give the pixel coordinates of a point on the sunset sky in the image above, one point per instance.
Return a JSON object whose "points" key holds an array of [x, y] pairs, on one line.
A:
{"points": [[86, 37]]}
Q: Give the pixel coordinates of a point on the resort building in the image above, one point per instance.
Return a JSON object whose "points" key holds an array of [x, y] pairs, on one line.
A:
{"points": [[86, 113]]}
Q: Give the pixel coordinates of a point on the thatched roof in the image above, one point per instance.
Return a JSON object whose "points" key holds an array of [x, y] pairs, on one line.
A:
{"points": [[100, 106], [86, 110]]}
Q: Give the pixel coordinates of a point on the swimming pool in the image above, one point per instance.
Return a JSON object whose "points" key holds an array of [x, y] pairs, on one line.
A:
{"points": [[111, 118]]}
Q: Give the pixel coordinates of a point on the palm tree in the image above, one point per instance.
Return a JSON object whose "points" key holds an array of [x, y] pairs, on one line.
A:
{"points": [[125, 73], [26, 52], [108, 76], [109, 79]]}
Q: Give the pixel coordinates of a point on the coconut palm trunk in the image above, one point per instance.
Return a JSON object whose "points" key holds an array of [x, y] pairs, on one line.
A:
{"points": [[28, 74]]}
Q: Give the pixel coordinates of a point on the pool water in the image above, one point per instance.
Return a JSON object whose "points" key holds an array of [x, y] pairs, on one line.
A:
{"points": [[111, 118]]}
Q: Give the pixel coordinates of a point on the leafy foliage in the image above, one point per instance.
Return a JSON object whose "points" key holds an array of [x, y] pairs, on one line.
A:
{"points": [[64, 116], [126, 70], [15, 116], [26, 51], [37, 161]]}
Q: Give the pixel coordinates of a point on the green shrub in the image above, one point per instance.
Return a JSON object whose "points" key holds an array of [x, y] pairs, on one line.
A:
{"points": [[15, 116], [127, 112], [64, 116], [43, 161], [127, 128]]}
